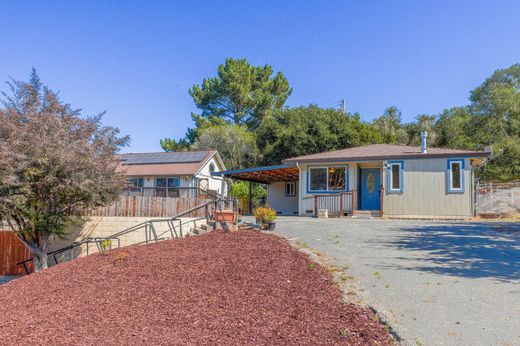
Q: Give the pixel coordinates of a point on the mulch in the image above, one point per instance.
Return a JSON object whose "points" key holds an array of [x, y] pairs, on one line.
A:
{"points": [[239, 288]]}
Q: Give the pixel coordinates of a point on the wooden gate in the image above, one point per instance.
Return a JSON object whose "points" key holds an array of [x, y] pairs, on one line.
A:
{"points": [[12, 251]]}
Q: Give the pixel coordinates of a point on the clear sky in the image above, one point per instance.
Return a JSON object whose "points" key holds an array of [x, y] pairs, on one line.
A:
{"points": [[137, 59]]}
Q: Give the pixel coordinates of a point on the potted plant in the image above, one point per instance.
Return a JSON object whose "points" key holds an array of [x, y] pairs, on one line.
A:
{"points": [[260, 213], [269, 218]]}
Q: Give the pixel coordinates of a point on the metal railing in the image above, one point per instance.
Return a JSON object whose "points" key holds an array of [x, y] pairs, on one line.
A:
{"points": [[174, 230], [337, 204]]}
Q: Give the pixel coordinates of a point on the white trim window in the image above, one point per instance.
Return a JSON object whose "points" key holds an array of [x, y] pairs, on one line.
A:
{"points": [[456, 176], [395, 176], [328, 179], [290, 188]]}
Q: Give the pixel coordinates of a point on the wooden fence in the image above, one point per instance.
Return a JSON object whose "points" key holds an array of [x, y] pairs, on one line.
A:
{"points": [[144, 206], [12, 251]]}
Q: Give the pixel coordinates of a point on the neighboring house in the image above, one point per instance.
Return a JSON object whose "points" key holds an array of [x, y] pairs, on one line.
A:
{"points": [[173, 174], [381, 179]]}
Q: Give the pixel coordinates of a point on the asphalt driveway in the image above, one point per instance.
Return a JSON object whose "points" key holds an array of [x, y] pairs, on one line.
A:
{"points": [[442, 283]]}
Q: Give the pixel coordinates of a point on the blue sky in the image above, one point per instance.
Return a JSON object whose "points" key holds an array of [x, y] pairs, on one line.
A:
{"points": [[136, 59]]}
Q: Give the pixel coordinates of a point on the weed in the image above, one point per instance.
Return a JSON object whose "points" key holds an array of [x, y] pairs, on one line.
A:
{"points": [[312, 265], [374, 318], [119, 257], [418, 342], [302, 244], [344, 278], [105, 245], [343, 333], [387, 286], [377, 275]]}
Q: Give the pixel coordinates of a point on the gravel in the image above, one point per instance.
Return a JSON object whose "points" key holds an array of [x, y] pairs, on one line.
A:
{"points": [[235, 288], [442, 283]]}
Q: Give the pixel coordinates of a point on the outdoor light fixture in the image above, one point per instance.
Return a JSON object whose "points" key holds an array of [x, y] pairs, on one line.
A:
{"points": [[332, 170]]}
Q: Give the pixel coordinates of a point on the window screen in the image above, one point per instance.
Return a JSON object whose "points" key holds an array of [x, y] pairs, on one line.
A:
{"points": [[456, 182], [396, 177], [318, 179], [290, 189], [336, 178]]}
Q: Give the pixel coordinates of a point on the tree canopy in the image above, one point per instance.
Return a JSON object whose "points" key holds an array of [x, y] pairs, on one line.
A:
{"points": [[53, 164], [303, 130], [241, 93], [236, 145]]}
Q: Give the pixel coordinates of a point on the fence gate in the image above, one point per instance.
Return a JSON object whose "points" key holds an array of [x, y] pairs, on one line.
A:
{"points": [[500, 199], [12, 251]]}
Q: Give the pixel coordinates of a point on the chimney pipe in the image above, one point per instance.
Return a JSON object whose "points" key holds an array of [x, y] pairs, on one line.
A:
{"points": [[424, 134]]}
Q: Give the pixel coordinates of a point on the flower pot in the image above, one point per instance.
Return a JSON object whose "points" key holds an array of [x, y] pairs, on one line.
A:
{"points": [[271, 226]]}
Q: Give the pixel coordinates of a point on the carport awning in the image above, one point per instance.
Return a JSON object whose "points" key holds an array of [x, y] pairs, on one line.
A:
{"points": [[264, 175]]}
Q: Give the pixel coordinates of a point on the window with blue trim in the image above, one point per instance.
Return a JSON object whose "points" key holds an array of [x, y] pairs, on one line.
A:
{"points": [[395, 176], [456, 175], [324, 179]]}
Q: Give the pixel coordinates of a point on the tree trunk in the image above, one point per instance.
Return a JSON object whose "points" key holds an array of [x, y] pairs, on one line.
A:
{"points": [[38, 244]]}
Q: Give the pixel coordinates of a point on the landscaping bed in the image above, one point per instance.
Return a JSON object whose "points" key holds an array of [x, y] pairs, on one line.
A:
{"points": [[243, 287]]}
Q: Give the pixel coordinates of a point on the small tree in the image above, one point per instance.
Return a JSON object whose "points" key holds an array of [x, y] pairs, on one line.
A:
{"points": [[53, 164], [236, 145]]}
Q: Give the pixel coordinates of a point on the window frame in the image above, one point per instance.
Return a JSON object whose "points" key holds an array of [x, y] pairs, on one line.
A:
{"points": [[309, 190], [389, 174], [139, 180], [293, 193], [449, 173], [167, 178]]}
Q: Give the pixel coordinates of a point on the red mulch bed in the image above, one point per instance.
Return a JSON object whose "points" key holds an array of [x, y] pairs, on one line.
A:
{"points": [[219, 288]]}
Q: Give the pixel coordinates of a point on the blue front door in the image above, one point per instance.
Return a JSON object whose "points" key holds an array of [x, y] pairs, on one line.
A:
{"points": [[370, 185]]}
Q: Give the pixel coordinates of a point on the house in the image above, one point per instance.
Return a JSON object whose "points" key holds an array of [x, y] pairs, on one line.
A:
{"points": [[380, 179], [173, 174]]}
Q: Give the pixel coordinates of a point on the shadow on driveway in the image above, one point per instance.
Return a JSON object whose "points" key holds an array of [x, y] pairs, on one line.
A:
{"points": [[471, 250]]}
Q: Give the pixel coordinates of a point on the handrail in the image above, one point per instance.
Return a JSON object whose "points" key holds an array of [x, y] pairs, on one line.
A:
{"points": [[139, 226]]}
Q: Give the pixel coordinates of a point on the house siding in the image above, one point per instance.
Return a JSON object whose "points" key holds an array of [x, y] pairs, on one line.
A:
{"points": [[215, 182], [425, 193], [307, 198], [276, 198]]}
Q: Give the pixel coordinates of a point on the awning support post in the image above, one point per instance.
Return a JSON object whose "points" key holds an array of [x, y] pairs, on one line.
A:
{"points": [[250, 199]]}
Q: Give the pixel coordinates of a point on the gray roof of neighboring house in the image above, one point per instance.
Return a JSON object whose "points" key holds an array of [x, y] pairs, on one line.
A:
{"points": [[164, 157], [383, 152], [164, 164]]}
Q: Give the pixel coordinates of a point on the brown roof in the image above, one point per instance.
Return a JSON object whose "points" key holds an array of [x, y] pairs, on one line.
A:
{"points": [[264, 175], [384, 151], [163, 164]]}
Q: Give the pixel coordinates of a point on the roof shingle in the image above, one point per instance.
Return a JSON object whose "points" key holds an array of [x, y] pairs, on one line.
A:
{"points": [[384, 151]]}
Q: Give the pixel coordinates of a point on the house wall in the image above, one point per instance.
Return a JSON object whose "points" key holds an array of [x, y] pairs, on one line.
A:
{"points": [[276, 198], [425, 193], [215, 182], [102, 226]]}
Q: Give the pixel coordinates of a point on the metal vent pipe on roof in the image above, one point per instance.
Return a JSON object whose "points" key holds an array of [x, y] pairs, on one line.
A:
{"points": [[424, 135]]}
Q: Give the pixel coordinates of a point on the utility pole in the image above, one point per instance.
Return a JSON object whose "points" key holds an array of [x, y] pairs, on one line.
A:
{"points": [[343, 105]]}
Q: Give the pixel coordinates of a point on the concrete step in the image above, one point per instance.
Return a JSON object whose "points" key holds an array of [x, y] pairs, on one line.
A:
{"points": [[198, 230], [366, 214]]}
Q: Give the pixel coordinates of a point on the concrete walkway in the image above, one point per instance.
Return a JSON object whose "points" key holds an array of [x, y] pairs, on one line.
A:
{"points": [[6, 279], [444, 283]]}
